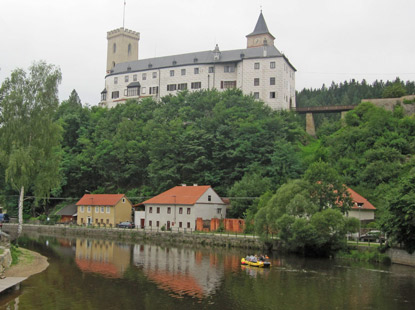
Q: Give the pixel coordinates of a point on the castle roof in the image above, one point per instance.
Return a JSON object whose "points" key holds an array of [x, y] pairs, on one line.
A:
{"points": [[205, 57], [260, 27]]}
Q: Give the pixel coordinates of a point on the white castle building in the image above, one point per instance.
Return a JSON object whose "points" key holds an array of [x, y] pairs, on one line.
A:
{"points": [[260, 70]]}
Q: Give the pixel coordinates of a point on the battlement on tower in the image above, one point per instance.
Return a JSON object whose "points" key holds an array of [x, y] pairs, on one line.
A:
{"points": [[130, 33]]}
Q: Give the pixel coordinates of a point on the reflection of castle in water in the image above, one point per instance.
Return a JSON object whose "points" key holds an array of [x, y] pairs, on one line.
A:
{"points": [[105, 257], [180, 271]]}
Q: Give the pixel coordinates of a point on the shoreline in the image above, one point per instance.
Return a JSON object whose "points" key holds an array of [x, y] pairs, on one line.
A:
{"points": [[29, 264]]}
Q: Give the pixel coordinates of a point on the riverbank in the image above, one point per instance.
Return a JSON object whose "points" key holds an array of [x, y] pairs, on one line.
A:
{"points": [[29, 263]]}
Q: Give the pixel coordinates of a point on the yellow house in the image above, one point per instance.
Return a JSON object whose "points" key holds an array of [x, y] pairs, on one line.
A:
{"points": [[105, 210]]}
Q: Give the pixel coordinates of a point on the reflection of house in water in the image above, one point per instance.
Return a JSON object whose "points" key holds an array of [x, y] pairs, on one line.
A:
{"points": [[107, 258], [180, 271]]}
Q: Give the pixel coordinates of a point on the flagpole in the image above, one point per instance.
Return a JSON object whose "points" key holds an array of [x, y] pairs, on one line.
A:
{"points": [[123, 17]]}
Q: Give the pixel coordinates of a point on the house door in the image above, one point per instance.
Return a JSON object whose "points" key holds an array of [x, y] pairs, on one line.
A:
{"points": [[168, 224], [142, 221]]}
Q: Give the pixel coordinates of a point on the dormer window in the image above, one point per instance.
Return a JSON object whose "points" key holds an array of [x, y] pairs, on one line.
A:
{"points": [[174, 62], [150, 65], [195, 60]]}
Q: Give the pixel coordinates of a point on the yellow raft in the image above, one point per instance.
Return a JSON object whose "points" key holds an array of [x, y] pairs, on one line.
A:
{"points": [[258, 263]]}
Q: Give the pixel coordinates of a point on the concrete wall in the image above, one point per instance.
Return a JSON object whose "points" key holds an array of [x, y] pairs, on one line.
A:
{"points": [[389, 103], [402, 257]]}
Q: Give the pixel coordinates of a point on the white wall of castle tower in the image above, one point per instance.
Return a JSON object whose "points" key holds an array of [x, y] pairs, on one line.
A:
{"points": [[122, 46]]}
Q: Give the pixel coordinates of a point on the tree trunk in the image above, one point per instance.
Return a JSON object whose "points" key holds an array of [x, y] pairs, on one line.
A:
{"points": [[19, 227]]}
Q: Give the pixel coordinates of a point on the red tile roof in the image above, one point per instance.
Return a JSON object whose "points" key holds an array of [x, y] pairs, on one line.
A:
{"points": [[100, 199], [358, 199], [182, 195]]}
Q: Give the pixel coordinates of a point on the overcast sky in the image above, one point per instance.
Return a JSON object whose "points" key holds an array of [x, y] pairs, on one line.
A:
{"points": [[325, 40]]}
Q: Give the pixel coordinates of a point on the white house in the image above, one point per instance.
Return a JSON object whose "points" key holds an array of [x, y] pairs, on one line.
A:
{"points": [[180, 206], [260, 69], [362, 209]]}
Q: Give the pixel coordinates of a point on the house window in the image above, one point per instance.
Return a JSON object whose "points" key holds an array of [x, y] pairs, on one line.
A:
{"points": [[102, 209], [180, 210], [182, 86], [272, 95], [209, 198], [196, 85], [135, 78], [168, 210], [102, 221], [171, 72], [256, 82], [183, 71], [108, 221], [171, 87], [115, 94], [272, 64], [154, 75], [211, 69], [158, 223], [150, 223], [180, 224], [126, 78], [218, 210], [108, 210], [272, 81], [144, 76], [188, 224], [229, 69], [96, 221], [188, 210], [196, 70], [154, 90], [150, 210], [115, 80], [256, 66], [82, 209], [89, 209], [227, 84], [96, 209], [158, 210]]}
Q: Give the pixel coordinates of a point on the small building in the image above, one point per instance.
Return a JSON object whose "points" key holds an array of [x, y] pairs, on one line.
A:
{"points": [[362, 209], [180, 206], [68, 214], [103, 209]]}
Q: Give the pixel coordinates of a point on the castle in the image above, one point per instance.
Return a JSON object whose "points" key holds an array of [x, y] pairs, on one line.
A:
{"points": [[260, 69]]}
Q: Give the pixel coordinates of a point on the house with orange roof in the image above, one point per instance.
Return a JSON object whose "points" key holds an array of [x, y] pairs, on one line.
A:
{"points": [[362, 209], [180, 206], [105, 210]]}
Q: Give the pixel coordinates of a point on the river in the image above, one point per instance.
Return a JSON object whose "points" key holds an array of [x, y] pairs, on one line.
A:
{"points": [[102, 274]]}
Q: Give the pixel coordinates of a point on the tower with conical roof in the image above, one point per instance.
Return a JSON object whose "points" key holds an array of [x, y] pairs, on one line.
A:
{"points": [[261, 35]]}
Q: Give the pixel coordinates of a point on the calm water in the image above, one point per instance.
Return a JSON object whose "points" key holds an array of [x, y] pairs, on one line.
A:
{"points": [[102, 274]]}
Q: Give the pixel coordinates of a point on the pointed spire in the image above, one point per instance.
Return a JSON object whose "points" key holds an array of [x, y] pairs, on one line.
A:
{"points": [[261, 27]]}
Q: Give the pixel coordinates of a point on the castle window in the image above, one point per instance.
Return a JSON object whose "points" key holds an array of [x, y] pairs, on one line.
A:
{"points": [[133, 91], [154, 75], [256, 95], [256, 82], [196, 85], [114, 48], [211, 69], [227, 84], [272, 81], [126, 79], [256, 66], [171, 87], [182, 86], [272, 64], [135, 78], [143, 90], [229, 69], [129, 49], [115, 80], [154, 90], [196, 70], [272, 95], [115, 94], [144, 76], [171, 72], [183, 71]]}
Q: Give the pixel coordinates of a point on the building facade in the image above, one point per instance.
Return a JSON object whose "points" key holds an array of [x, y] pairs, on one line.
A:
{"points": [[180, 206], [260, 70], [105, 210]]}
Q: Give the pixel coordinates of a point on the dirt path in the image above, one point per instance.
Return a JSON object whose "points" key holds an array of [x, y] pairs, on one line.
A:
{"points": [[29, 264]]}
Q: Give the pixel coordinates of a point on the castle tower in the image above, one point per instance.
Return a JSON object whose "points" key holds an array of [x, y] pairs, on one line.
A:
{"points": [[261, 35], [122, 46]]}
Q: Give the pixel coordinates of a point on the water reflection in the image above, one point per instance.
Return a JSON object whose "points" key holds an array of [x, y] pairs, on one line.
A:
{"points": [[180, 271]]}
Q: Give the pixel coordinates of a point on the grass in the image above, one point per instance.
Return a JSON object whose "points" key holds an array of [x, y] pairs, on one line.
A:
{"points": [[365, 256], [361, 243], [21, 256]]}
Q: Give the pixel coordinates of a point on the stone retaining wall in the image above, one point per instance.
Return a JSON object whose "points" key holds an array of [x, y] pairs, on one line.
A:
{"points": [[133, 235], [402, 257]]}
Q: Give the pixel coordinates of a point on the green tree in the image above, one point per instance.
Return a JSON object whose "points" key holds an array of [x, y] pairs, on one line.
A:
{"points": [[29, 136], [394, 90]]}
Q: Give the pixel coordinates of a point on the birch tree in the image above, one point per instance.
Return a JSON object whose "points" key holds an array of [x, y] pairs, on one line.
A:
{"points": [[29, 137]]}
